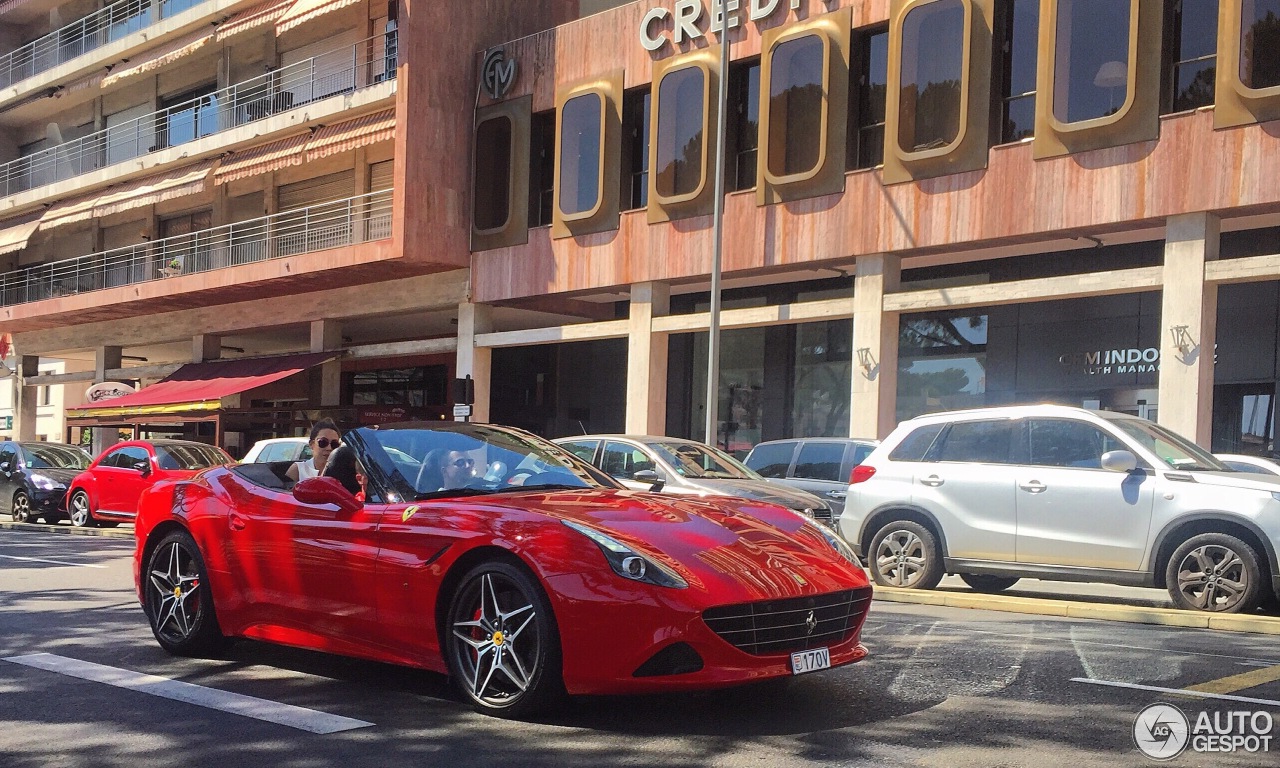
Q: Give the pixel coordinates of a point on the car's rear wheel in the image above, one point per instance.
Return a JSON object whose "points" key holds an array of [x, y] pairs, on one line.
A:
{"points": [[982, 582], [22, 507], [906, 554], [1214, 572], [179, 603], [502, 645], [79, 510]]}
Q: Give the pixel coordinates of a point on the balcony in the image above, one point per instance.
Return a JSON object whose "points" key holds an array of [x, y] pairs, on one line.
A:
{"points": [[359, 219], [345, 70], [112, 23]]}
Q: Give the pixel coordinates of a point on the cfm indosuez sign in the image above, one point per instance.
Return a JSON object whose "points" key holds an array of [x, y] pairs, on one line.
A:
{"points": [[686, 16]]}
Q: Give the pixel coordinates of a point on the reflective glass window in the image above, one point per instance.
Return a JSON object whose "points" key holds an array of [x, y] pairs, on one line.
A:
{"points": [[915, 445], [744, 125], [580, 123], [1192, 32], [623, 461], [820, 461], [796, 99], [771, 459], [493, 173], [1021, 41], [1260, 43], [1091, 64], [635, 149], [870, 84], [542, 167], [932, 69], [681, 115], [1062, 443], [583, 449], [982, 442]]}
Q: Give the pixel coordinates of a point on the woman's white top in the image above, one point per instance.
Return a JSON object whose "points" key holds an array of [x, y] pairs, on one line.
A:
{"points": [[306, 468]]}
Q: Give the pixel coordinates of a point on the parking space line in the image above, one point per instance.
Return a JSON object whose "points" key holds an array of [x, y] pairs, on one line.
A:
{"points": [[1177, 691], [55, 562], [224, 701], [1233, 683]]}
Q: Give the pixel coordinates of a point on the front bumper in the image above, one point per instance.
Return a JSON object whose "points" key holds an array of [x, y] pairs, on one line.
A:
{"points": [[49, 501]]}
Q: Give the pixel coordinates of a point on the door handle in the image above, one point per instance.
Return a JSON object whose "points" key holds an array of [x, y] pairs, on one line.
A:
{"points": [[933, 481], [1033, 486], [837, 494], [236, 522]]}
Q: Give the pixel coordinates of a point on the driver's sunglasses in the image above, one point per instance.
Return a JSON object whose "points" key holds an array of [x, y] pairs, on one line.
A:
{"points": [[324, 442], [460, 463]]}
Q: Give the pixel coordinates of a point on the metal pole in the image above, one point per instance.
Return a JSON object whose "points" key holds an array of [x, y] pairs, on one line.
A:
{"points": [[713, 338]]}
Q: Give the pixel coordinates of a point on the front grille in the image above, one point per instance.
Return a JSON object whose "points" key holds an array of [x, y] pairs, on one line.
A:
{"points": [[821, 514], [783, 626]]}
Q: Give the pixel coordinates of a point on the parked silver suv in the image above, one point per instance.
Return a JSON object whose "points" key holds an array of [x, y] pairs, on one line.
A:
{"points": [[1053, 492]]}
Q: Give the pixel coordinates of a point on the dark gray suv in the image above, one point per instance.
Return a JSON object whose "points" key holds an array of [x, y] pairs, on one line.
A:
{"points": [[819, 465]]}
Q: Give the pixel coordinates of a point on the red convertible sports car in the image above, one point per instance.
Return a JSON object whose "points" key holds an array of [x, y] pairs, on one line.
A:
{"points": [[498, 558]]}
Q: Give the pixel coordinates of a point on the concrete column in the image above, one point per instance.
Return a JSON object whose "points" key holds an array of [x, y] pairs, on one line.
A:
{"points": [[205, 346], [647, 360], [28, 394], [1188, 326], [873, 399], [326, 336], [104, 359], [475, 319]]}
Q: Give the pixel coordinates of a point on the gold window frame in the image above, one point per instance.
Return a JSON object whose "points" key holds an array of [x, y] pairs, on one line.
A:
{"points": [[826, 177], [1234, 102], [968, 151], [515, 230], [700, 201], [602, 216], [1137, 119]]}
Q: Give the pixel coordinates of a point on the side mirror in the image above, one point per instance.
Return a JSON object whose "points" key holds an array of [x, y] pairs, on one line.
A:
{"points": [[1119, 461], [326, 490], [143, 466], [650, 476]]}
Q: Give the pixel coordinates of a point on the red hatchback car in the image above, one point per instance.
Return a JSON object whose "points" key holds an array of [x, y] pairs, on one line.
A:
{"points": [[107, 492], [502, 560]]}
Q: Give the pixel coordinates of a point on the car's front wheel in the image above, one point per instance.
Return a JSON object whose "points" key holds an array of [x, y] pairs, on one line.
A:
{"points": [[78, 510], [179, 604], [22, 507], [981, 582], [1214, 572], [502, 645], [906, 554]]}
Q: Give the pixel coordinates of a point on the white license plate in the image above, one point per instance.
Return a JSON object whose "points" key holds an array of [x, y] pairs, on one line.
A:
{"points": [[810, 661]]}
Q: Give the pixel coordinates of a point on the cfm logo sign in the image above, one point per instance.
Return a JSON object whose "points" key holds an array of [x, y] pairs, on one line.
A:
{"points": [[497, 74]]}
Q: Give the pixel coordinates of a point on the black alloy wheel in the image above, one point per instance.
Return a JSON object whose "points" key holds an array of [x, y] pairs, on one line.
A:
{"points": [[178, 602]]}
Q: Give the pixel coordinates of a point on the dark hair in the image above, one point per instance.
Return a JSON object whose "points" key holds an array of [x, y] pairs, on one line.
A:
{"points": [[341, 466], [321, 426]]}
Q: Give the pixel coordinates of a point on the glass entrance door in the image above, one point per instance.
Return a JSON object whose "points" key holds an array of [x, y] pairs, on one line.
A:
{"points": [[1244, 419]]}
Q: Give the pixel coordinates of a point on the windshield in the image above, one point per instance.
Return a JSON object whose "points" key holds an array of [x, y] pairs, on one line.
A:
{"points": [[469, 460], [189, 457], [1173, 450], [52, 457], [698, 460]]}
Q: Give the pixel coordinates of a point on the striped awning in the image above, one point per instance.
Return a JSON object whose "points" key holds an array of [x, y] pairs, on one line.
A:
{"points": [[360, 132], [306, 10], [263, 159], [159, 57], [252, 18], [180, 182], [14, 237]]}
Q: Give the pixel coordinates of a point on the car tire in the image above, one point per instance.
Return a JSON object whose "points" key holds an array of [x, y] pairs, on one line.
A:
{"points": [[1214, 572], [982, 582], [501, 642], [905, 554], [80, 510], [22, 508], [178, 600]]}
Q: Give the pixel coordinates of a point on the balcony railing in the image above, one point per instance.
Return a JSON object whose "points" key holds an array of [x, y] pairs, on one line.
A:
{"points": [[343, 70], [316, 228], [112, 23]]}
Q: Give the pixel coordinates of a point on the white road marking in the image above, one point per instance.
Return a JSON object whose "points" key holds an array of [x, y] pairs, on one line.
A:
{"points": [[224, 701], [55, 562], [1177, 691]]}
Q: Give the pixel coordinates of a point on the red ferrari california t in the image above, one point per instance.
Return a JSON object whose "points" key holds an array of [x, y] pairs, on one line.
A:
{"points": [[502, 560]]}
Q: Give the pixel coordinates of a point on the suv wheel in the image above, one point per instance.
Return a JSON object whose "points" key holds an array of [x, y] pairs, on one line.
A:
{"points": [[1214, 572], [981, 582], [906, 554]]}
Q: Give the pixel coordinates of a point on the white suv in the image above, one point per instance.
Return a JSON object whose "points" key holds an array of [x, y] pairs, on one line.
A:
{"points": [[1052, 492]]}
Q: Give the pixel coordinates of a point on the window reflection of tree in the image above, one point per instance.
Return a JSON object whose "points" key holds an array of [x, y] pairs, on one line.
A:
{"points": [[1260, 66], [945, 337]]}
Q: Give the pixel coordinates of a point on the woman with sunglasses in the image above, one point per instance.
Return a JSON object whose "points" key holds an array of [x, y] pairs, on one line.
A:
{"points": [[324, 438]]}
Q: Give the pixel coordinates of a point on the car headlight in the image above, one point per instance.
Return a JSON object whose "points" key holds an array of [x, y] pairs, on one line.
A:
{"points": [[628, 563], [46, 483], [837, 543]]}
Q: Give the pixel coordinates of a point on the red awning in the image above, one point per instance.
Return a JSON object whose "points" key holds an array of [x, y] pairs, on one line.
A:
{"points": [[201, 386]]}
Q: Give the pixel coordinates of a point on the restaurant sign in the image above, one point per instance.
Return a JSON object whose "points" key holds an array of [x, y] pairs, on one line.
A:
{"points": [[687, 15]]}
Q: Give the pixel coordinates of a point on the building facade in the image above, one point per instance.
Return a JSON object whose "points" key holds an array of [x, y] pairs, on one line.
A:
{"points": [[928, 204]]}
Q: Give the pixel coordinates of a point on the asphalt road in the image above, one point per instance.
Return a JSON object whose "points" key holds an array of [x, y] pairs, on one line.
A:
{"points": [[943, 687]]}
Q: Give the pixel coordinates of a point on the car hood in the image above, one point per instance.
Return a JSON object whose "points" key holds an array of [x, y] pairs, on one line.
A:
{"points": [[63, 476], [1243, 480], [723, 545], [761, 490]]}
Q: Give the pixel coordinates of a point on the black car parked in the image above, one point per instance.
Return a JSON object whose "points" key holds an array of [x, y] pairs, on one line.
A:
{"points": [[34, 478]]}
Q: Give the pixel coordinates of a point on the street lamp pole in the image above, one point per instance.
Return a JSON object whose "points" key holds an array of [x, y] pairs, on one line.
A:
{"points": [[713, 340]]}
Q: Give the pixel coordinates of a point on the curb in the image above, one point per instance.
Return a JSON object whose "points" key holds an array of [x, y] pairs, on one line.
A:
{"points": [[1168, 617], [114, 533]]}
